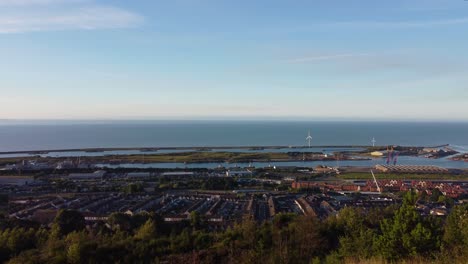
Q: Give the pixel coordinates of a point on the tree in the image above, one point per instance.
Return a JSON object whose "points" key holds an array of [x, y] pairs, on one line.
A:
{"points": [[20, 239], [307, 240], [423, 196], [68, 221], [357, 238], [80, 247], [146, 231], [202, 240], [120, 221], [27, 257], [195, 220], [455, 238], [435, 195], [137, 220], [446, 200], [74, 253], [283, 219], [406, 234]]}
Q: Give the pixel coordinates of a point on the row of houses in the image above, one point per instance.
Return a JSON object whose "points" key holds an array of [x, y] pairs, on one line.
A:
{"points": [[452, 189]]}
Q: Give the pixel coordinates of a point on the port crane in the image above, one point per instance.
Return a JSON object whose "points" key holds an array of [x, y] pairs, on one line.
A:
{"points": [[376, 184], [392, 155]]}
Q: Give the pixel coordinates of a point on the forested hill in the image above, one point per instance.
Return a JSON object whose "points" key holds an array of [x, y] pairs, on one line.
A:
{"points": [[393, 234]]}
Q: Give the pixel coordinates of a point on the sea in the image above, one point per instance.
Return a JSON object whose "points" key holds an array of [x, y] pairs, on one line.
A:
{"points": [[26, 136], [53, 135]]}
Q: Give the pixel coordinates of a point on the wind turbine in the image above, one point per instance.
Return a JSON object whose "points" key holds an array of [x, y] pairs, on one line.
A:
{"points": [[373, 142], [309, 138]]}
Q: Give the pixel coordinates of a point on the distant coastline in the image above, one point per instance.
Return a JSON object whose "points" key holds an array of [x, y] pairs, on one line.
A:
{"points": [[206, 148]]}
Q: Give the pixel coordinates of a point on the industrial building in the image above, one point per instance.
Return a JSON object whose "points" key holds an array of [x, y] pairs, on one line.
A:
{"points": [[410, 169]]}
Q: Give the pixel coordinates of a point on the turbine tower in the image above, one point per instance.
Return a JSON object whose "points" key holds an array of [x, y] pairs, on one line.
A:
{"points": [[309, 138], [373, 142]]}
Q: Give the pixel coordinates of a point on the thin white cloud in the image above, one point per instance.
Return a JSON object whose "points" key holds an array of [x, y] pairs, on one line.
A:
{"points": [[432, 5], [57, 15], [37, 2], [400, 24], [410, 63], [326, 57]]}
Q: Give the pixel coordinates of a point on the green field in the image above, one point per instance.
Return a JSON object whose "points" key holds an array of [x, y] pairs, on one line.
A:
{"points": [[198, 157], [172, 157]]}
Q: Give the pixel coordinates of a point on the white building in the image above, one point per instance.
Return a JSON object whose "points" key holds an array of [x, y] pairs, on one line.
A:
{"points": [[80, 176]]}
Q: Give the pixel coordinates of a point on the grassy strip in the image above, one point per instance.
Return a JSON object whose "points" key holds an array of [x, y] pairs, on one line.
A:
{"points": [[169, 157], [198, 157]]}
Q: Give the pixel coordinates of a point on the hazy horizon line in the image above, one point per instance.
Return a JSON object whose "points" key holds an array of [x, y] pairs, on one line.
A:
{"points": [[221, 119]]}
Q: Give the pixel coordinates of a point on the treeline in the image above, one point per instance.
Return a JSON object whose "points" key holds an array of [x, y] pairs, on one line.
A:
{"points": [[207, 183], [393, 234]]}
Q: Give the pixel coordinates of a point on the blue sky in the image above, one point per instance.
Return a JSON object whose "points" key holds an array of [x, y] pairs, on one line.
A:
{"points": [[202, 59]]}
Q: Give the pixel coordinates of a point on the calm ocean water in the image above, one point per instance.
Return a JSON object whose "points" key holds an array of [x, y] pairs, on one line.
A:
{"points": [[40, 136]]}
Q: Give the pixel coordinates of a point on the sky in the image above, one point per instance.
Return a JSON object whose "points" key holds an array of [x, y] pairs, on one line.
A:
{"points": [[243, 59]]}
